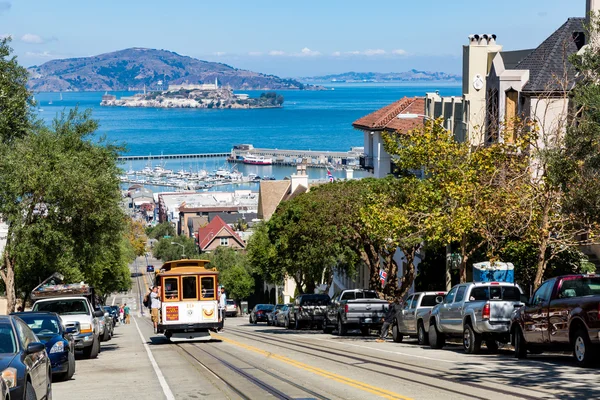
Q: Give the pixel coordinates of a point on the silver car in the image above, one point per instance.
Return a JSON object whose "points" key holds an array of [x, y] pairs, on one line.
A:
{"points": [[283, 316]]}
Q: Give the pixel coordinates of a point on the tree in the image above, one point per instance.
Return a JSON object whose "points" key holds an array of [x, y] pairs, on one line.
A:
{"points": [[137, 237], [16, 102], [59, 192], [235, 273], [161, 230], [261, 255], [166, 251]]}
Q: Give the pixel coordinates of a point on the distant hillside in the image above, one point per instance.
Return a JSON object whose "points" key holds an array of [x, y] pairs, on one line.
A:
{"points": [[136, 67], [409, 76]]}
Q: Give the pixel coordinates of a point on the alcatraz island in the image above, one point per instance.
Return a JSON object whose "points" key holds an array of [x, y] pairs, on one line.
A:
{"points": [[203, 95]]}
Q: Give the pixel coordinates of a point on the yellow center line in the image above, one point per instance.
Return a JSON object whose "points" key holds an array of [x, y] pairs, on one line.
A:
{"points": [[318, 371]]}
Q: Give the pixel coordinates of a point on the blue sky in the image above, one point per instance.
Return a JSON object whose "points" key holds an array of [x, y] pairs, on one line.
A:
{"points": [[286, 38]]}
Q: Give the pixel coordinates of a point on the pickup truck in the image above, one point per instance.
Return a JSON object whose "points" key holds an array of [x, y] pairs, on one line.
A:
{"points": [[475, 312], [563, 314], [413, 318], [308, 310], [73, 310], [357, 308]]}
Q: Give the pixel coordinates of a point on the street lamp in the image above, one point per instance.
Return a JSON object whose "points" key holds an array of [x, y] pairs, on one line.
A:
{"points": [[182, 249]]}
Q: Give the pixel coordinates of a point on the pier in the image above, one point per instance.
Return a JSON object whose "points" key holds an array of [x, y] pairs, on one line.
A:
{"points": [[174, 156]]}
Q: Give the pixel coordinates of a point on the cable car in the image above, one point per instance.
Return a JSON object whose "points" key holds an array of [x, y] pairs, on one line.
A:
{"points": [[190, 299]]}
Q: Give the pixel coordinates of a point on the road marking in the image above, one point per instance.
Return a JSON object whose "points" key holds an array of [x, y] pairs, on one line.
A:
{"points": [[321, 372], [400, 353], [161, 379]]}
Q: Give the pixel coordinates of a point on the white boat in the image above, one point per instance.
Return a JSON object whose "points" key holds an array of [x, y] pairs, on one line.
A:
{"points": [[257, 160]]}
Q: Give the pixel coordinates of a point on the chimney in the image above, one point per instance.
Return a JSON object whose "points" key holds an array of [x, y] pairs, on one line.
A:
{"points": [[349, 174], [300, 178], [591, 6]]}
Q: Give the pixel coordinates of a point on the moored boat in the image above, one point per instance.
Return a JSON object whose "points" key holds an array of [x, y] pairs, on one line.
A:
{"points": [[257, 160]]}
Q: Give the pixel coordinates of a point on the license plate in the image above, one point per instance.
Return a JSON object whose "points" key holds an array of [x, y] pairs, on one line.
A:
{"points": [[368, 320]]}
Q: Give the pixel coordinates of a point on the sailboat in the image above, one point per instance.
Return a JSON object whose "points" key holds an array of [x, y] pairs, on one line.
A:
{"points": [[60, 96]]}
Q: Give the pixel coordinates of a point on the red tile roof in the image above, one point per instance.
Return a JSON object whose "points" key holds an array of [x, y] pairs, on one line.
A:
{"points": [[208, 233], [386, 118]]}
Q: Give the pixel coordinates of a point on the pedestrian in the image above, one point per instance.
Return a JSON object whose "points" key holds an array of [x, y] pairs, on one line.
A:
{"points": [[222, 305], [154, 307], [388, 319], [121, 314], [127, 311]]}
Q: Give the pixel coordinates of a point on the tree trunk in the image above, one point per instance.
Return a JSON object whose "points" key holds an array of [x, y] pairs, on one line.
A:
{"points": [[464, 258], [371, 258], [8, 276], [541, 258], [408, 276], [391, 284]]}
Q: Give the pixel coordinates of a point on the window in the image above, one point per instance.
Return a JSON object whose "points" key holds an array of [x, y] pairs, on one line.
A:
{"points": [[189, 288], [7, 339], [508, 293], [366, 295], [460, 294], [512, 98], [348, 296], [207, 283], [41, 325], [450, 296], [224, 241], [63, 307], [407, 302], [171, 289], [25, 334], [429, 300], [492, 115], [542, 295], [415, 301]]}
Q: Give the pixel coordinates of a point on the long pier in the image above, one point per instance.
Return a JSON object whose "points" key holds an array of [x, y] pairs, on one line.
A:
{"points": [[174, 156]]}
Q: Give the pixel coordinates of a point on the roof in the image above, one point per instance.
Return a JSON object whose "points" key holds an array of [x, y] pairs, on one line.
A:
{"points": [[270, 194], [210, 232], [512, 58], [386, 118], [546, 64]]}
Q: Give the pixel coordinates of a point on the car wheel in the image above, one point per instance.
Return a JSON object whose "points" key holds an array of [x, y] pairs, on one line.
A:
{"points": [[582, 348], [437, 339], [49, 385], [106, 336], [71, 370], [520, 344], [471, 340], [341, 328], [396, 335], [326, 328], [250, 319], [422, 337], [491, 345], [93, 350], [30, 392]]}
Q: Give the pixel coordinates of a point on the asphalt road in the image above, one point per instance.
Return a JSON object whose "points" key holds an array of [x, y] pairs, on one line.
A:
{"points": [[257, 362]]}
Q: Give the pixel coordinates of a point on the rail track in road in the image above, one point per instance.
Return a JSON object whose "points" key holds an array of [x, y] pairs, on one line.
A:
{"points": [[230, 382], [381, 362]]}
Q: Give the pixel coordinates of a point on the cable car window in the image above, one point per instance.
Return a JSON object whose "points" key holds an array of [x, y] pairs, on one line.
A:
{"points": [[171, 289], [189, 288], [207, 284]]}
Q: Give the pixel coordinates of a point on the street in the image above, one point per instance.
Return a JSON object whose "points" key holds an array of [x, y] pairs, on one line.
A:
{"points": [[258, 361]]}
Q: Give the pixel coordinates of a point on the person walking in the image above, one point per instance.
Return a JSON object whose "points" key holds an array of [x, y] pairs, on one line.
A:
{"points": [[222, 304], [121, 314], [127, 312], [154, 307], [388, 319]]}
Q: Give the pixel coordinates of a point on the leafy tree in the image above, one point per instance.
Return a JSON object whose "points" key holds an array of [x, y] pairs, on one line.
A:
{"points": [[166, 251], [59, 192], [161, 230], [137, 237], [261, 255], [235, 273]]}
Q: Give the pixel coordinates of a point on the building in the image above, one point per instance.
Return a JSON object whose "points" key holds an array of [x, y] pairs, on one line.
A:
{"points": [[402, 115], [271, 193], [188, 86], [218, 233]]}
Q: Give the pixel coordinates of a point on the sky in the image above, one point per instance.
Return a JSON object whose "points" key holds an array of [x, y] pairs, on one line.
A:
{"points": [[289, 38]]}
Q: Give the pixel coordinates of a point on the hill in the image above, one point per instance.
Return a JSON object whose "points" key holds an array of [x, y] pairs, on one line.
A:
{"points": [[408, 76], [136, 67]]}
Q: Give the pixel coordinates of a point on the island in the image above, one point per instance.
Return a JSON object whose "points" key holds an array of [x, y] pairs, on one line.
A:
{"points": [[195, 96]]}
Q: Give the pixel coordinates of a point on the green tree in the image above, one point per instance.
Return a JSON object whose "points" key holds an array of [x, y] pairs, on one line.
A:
{"points": [[262, 255], [235, 273], [161, 230], [166, 251]]}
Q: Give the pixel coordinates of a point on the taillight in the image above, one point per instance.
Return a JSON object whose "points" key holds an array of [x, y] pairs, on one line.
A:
{"points": [[346, 308], [300, 308], [494, 283], [598, 311], [485, 313]]}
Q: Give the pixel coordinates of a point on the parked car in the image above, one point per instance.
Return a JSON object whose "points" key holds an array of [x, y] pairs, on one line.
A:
{"points": [[475, 312], [107, 325], [413, 318], [75, 310], [113, 311], [563, 313], [272, 316], [259, 313], [24, 364], [230, 308], [357, 308], [283, 316], [60, 345], [308, 310], [149, 268]]}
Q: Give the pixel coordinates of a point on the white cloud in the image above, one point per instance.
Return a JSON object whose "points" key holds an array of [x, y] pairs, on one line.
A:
{"points": [[5, 35], [276, 53], [42, 54], [306, 52], [336, 54], [374, 52], [353, 53], [399, 52], [255, 53], [32, 38], [219, 53]]}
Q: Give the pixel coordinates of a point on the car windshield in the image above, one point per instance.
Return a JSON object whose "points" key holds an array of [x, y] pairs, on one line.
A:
{"points": [[42, 325], [279, 306], [63, 307], [492, 292], [7, 339], [230, 302], [264, 307]]}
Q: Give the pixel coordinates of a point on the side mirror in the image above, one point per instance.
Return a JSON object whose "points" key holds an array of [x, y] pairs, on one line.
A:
{"points": [[35, 348], [439, 299], [98, 314]]}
